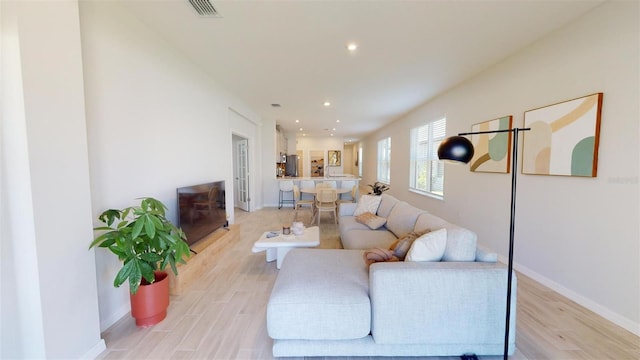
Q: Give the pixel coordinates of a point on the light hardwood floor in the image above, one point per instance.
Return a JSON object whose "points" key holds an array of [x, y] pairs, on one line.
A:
{"points": [[223, 315]]}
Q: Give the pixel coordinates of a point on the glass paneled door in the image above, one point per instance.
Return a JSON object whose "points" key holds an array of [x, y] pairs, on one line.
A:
{"points": [[242, 174]]}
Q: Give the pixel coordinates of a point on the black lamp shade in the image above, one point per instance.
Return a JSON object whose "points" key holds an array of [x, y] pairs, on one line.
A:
{"points": [[456, 149]]}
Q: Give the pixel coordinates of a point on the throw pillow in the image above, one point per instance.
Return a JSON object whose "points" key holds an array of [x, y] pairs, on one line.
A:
{"points": [[372, 221], [367, 203], [428, 247], [403, 244]]}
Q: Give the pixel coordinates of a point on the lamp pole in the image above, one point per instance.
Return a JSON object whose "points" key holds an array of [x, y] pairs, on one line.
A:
{"points": [[512, 222]]}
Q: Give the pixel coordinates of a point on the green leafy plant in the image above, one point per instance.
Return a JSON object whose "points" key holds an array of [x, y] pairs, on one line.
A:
{"points": [[143, 238], [378, 188]]}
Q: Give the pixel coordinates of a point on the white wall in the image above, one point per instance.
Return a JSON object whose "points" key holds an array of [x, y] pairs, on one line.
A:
{"points": [[20, 309], [155, 122], [577, 235], [49, 276], [268, 165]]}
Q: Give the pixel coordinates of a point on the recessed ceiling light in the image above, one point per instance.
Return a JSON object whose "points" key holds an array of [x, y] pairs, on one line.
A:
{"points": [[337, 121], [334, 129], [326, 103], [304, 134], [300, 129], [297, 121], [332, 134], [352, 47]]}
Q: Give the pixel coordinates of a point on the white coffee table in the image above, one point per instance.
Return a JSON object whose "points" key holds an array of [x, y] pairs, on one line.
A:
{"points": [[277, 247]]}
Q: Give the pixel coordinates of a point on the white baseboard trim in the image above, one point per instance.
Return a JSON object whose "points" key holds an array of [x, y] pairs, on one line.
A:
{"points": [[603, 311], [95, 351], [108, 322]]}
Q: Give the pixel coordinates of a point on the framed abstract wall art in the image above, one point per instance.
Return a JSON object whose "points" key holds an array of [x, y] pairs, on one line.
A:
{"points": [[564, 138], [492, 151], [335, 157]]}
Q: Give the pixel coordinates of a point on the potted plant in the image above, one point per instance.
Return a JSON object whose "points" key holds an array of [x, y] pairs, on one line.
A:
{"points": [[146, 242], [378, 188]]}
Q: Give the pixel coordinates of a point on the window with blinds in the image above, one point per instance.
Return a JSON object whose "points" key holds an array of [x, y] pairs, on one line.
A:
{"points": [[359, 161], [384, 160], [427, 171]]}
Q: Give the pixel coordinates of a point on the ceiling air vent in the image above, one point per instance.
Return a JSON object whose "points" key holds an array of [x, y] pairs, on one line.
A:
{"points": [[204, 8]]}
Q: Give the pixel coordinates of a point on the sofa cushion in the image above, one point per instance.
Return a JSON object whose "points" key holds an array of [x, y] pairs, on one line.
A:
{"points": [[402, 218], [428, 247], [346, 209], [348, 223], [387, 202], [366, 238], [320, 294], [461, 244], [371, 220], [430, 221], [367, 203]]}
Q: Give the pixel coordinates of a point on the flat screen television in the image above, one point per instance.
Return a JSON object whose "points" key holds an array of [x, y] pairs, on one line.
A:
{"points": [[201, 210]]}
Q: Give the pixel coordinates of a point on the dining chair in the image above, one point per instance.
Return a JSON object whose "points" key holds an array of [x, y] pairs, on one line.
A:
{"points": [[299, 203], [347, 197], [285, 186], [326, 202], [307, 184], [353, 193]]}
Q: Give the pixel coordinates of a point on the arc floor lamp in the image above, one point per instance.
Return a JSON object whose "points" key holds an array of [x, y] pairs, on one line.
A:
{"points": [[459, 149]]}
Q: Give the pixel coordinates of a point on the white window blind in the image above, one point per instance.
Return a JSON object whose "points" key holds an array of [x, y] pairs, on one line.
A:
{"points": [[384, 160], [427, 171]]}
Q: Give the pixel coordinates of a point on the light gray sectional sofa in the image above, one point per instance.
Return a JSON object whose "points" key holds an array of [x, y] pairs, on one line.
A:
{"points": [[328, 303]]}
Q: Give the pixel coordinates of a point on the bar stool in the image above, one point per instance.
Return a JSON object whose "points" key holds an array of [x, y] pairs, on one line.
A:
{"points": [[332, 183], [286, 186]]}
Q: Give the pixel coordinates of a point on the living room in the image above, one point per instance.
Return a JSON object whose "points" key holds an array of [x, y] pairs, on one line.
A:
{"points": [[99, 110]]}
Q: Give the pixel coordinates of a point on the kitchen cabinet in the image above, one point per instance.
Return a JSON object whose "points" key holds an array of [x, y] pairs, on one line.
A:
{"points": [[281, 143]]}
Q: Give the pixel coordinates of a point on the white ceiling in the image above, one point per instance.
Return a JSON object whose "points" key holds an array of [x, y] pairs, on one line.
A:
{"points": [[294, 53]]}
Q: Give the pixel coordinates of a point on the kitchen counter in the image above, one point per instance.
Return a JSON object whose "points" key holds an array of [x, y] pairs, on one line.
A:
{"points": [[325, 178]]}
